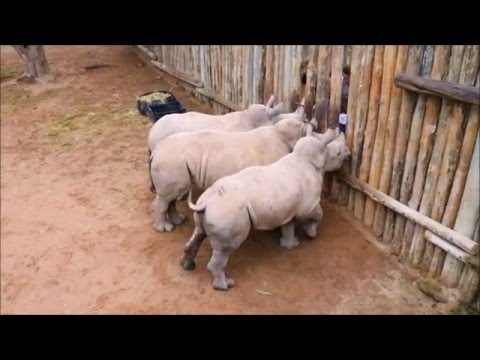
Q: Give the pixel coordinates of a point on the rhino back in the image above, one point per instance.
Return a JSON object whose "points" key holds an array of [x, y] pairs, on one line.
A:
{"points": [[192, 122], [213, 155], [282, 191]]}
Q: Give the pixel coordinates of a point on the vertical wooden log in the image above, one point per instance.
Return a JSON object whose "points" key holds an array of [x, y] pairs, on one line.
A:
{"points": [[248, 76], [389, 61], [469, 284], [311, 86], [432, 112], [276, 72], [335, 86], [269, 72], [363, 85], [415, 57], [260, 72], [469, 208], [353, 94], [335, 100], [281, 77], [235, 64], [295, 67], [241, 74], [418, 241], [213, 64], [373, 107], [323, 87], [389, 147], [322, 96], [470, 279], [224, 69]]}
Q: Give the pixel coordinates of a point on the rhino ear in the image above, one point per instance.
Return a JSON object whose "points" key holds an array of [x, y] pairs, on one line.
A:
{"points": [[326, 139], [277, 110], [270, 101], [300, 112], [308, 129], [337, 132]]}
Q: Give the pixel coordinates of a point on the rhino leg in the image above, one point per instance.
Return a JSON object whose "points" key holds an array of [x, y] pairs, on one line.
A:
{"points": [[183, 197], [153, 205], [173, 215], [226, 231], [161, 223], [217, 265], [193, 245], [288, 239], [310, 226]]}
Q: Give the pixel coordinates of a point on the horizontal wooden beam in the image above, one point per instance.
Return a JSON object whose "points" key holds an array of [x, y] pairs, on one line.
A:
{"points": [[452, 249], [449, 90], [178, 74], [441, 230], [147, 52], [208, 93]]}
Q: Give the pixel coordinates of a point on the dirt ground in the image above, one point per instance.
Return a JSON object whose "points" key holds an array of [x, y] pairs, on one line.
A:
{"points": [[77, 236]]}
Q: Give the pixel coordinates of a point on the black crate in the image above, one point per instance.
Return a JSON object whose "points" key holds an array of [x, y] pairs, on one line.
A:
{"points": [[155, 110]]}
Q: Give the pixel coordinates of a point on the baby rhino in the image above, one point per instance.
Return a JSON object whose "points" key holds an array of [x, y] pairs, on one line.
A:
{"points": [[262, 197], [256, 115]]}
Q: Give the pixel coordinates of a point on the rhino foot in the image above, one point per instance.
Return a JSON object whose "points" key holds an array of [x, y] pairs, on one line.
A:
{"points": [[188, 263], [166, 227], [311, 230], [223, 283], [177, 218], [289, 243]]}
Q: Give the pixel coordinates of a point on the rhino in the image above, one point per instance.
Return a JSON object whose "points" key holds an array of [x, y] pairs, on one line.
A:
{"points": [[260, 197], [200, 158], [256, 115]]}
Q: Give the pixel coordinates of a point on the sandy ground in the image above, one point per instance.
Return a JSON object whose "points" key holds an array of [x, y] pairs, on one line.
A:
{"points": [[77, 236]]}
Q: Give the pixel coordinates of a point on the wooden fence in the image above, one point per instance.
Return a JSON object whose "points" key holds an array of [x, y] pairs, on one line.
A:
{"points": [[413, 129]]}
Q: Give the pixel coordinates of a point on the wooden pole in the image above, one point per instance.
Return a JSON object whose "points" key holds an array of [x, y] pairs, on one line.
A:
{"points": [[322, 95], [377, 155], [295, 81], [373, 108], [335, 101], [336, 86], [415, 56], [435, 227], [389, 147], [323, 87], [311, 86], [445, 89], [353, 94], [453, 251], [432, 112], [365, 79], [147, 52], [451, 153], [418, 242], [269, 63], [469, 284], [469, 210]]}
